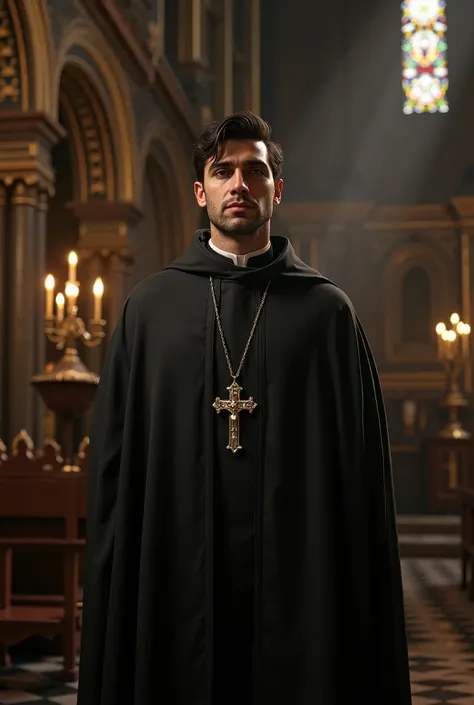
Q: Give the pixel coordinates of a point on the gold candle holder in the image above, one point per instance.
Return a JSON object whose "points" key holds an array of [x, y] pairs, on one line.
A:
{"points": [[454, 353], [69, 387], [65, 330]]}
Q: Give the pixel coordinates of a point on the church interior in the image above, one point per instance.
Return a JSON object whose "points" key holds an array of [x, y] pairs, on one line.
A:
{"points": [[100, 104]]}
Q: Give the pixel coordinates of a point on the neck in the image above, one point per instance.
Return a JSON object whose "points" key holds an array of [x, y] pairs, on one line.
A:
{"points": [[241, 244]]}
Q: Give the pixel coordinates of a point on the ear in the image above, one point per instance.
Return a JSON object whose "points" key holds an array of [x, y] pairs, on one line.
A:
{"points": [[278, 191], [200, 194]]}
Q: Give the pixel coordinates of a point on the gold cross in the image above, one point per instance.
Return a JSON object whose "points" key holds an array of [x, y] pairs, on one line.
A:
{"points": [[234, 405]]}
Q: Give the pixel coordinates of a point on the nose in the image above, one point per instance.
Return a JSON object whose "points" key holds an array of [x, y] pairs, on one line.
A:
{"points": [[239, 185]]}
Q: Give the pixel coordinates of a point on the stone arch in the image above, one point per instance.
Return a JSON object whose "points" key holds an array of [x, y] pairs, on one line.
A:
{"points": [[168, 219], [109, 83], [410, 257], [158, 237], [161, 141], [84, 108], [40, 42], [25, 56]]}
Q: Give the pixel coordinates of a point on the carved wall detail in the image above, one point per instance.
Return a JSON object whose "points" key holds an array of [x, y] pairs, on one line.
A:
{"points": [[91, 129], [10, 81]]}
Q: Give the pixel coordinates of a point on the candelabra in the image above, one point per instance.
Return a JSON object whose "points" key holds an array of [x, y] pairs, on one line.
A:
{"points": [[69, 387], [453, 351]]}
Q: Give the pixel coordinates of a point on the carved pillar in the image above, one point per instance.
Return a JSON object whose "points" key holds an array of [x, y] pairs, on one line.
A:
{"points": [[3, 315], [26, 140], [252, 52], [38, 287], [466, 294], [22, 308], [464, 213], [205, 55]]}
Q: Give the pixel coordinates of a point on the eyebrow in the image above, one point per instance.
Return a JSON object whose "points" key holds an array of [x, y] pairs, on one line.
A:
{"points": [[248, 162]]}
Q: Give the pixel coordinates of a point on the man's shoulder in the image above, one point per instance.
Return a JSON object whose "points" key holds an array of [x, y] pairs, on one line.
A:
{"points": [[153, 288], [326, 293]]}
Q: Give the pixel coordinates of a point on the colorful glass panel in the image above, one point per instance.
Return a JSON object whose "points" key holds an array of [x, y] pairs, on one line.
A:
{"points": [[424, 52]]}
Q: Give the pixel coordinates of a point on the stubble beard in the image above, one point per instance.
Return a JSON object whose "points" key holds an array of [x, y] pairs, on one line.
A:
{"points": [[235, 226]]}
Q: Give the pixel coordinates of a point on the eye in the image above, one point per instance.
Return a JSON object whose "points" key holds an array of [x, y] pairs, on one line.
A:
{"points": [[256, 170], [221, 172]]}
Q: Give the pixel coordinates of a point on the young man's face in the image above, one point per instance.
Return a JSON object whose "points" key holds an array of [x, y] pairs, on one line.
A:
{"points": [[239, 190]]}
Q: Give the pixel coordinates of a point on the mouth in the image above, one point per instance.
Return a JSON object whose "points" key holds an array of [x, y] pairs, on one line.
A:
{"points": [[240, 206]]}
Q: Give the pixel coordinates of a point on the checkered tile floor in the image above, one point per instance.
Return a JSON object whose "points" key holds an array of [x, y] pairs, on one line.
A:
{"points": [[440, 622], [26, 683]]}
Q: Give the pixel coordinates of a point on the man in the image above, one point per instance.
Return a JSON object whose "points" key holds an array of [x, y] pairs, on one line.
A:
{"points": [[242, 543]]}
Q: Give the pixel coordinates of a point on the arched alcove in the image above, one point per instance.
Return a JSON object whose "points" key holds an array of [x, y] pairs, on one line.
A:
{"points": [[84, 162], [416, 307], [83, 48], [175, 163], [418, 293], [157, 239]]}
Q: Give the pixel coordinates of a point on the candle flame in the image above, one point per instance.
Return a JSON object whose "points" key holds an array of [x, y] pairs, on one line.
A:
{"points": [[72, 259], [72, 290], [49, 282], [60, 300], [98, 287], [454, 318]]}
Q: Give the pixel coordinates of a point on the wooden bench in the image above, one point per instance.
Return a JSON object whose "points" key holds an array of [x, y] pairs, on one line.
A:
{"points": [[18, 622], [42, 507], [38, 499]]}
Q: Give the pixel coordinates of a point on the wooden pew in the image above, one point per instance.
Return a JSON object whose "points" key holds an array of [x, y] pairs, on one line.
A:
{"points": [[42, 515], [20, 621]]}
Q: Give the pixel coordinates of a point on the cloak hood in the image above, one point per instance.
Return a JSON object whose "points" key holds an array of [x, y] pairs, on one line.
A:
{"points": [[201, 260]]}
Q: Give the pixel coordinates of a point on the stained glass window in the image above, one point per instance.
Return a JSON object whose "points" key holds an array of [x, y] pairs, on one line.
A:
{"points": [[424, 50]]}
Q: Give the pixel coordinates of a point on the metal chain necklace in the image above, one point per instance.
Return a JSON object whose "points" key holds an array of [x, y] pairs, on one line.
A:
{"points": [[234, 405]]}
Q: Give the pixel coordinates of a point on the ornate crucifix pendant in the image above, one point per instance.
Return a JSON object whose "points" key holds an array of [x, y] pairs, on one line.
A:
{"points": [[234, 405]]}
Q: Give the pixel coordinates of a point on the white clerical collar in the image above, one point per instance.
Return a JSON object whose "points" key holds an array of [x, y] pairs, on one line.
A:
{"points": [[240, 260]]}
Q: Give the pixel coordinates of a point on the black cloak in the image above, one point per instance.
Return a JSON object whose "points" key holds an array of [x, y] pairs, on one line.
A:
{"points": [[270, 576]]}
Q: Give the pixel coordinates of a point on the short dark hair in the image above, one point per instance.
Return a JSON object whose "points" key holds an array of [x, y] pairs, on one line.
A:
{"points": [[243, 125]]}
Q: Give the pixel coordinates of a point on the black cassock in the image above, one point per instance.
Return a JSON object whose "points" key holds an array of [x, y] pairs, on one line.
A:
{"points": [[268, 577]]}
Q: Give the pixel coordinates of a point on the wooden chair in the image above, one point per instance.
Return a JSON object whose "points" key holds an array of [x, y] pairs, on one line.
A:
{"points": [[17, 622]]}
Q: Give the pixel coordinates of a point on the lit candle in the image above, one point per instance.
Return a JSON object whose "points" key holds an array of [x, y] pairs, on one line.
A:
{"points": [[72, 292], [72, 267], [49, 286], [454, 318], [60, 308], [98, 293], [465, 340], [453, 337], [440, 329]]}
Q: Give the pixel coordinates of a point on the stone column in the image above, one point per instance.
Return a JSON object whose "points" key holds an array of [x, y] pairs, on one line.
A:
{"points": [[464, 218], [40, 340], [22, 337], [3, 315], [252, 53]]}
